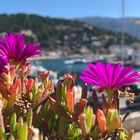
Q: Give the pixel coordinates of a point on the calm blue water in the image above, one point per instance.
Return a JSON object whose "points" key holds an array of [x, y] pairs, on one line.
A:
{"points": [[59, 66]]}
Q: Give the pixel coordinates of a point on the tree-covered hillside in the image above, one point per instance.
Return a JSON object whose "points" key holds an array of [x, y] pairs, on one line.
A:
{"points": [[60, 34]]}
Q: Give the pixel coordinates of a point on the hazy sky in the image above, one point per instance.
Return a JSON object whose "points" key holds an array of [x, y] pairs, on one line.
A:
{"points": [[71, 8]]}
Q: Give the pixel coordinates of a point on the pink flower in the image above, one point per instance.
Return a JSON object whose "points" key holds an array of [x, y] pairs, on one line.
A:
{"points": [[3, 62], [14, 47], [109, 75]]}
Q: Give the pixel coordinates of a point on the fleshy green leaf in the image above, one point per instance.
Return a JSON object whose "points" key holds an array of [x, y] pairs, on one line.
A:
{"points": [[89, 117], [20, 124], [24, 132], [29, 117], [13, 123]]}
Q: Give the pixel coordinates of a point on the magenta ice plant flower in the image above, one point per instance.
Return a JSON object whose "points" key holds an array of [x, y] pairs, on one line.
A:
{"points": [[14, 47], [109, 75], [3, 62]]}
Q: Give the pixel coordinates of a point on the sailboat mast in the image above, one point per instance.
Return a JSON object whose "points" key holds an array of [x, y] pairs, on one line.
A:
{"points": [[123, 28]]}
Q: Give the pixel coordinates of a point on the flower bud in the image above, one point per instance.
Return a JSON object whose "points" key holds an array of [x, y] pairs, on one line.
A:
{"points": [[70, 101], [44, 76], [111, 115], [90, 118], [29, 84], [101, 120], [8, 74], [116, 123], [81, 105], [24, 69]]}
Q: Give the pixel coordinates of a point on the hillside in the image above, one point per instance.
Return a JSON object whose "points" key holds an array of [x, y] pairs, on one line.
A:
{"points": [[66, 36], [132, 25]]}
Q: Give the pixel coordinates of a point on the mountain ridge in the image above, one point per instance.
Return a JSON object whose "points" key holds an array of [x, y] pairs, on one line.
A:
{"points": [[132, 24]]}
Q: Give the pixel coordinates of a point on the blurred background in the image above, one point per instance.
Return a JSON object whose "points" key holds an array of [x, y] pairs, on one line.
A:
{"points": [[73, 33]]}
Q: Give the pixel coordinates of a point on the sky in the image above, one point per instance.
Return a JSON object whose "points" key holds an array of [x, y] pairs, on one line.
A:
{"points": [[71, 8]]}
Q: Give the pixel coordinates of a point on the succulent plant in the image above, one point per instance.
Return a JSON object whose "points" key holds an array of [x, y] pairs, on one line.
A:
{"points": [[32, 110]]}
